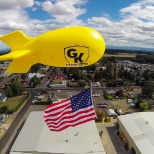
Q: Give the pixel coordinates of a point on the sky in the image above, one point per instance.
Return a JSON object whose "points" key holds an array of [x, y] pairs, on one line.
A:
{"points": [[122, 23]]}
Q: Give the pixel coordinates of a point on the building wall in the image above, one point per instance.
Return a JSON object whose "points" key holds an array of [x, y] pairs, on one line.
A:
{"points": [[58, 81], [128, 137]]}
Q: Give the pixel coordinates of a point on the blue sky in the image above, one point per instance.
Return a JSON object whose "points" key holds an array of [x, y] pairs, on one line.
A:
{"points": [[122, 23]]}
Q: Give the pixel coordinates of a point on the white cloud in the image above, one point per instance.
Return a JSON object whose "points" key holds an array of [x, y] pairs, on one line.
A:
{"points": [[100, 21], [13, 15], [64, 11], [13, 25], [144, 9], [15, 4]]}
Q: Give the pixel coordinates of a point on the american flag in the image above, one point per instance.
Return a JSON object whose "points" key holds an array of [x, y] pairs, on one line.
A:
{"points": [[72, 111]]}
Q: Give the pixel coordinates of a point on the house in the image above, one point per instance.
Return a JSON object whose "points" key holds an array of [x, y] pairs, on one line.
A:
{"points": [[38, 75], [96, 84], [60, 85], [110, 92], [58, 78], [73, 84], [3, 97]]}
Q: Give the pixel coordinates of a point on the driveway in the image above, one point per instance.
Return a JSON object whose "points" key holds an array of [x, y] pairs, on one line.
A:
{"points": [[110, 140]]}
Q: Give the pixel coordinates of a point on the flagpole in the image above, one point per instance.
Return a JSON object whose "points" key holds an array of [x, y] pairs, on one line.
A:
{"points": [[91, 91]]}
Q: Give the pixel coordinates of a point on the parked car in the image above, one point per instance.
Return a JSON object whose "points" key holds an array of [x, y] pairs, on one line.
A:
{"points": [[102, 105]]}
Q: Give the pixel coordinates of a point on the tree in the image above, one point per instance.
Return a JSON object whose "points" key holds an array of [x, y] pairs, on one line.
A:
{"points": [[120, 93], [9, 92], [148, 89], [100, 115], [35, 68], [111, 83], [97, 76], [17, 87], [89, 77], [14, 88], [34, 81], [23, 76], [112, 59], [143, 106], [81, 83]]}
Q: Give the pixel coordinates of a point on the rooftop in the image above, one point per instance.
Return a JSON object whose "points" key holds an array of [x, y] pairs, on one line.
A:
{"points": [[143, 129], [58, 77], [35, 137]]}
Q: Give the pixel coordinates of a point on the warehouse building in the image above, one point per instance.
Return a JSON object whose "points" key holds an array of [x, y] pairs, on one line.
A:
{"points": [[137, 132], [35, 137]]}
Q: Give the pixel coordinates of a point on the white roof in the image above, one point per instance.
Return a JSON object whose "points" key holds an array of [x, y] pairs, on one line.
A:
{"points": [[35, 136], [140, 127], [38, 75]]}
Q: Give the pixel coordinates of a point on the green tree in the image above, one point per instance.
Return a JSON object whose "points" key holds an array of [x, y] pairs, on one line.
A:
{"points": [[96, 76], [89, 77], [81, 83], [3, 109], [8, 91], [35, 68], [23, 76], [14, 88], [17, 87], [120, 93], [99, 115], [34, 81], [148, 89], [143, 106]]}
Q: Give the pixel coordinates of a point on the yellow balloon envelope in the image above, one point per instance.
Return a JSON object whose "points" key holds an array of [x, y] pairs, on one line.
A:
{"points": [[76, 46]]}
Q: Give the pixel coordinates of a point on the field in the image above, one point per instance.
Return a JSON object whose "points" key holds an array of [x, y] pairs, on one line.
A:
{"points": [[121, 55], [13, 102]]}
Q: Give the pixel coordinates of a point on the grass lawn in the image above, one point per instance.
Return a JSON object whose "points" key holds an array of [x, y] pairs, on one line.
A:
{"points": [[110, 97], [13, 102]]}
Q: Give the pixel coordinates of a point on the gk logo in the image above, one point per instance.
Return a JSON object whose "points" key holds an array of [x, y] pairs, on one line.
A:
{"points": [[77, 57], [76, 54]]}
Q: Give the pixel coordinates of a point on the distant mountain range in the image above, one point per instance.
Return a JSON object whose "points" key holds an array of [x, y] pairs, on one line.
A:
{"points": [[130, 48]]}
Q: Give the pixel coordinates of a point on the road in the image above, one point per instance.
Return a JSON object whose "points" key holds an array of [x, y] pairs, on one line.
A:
{"points": [[7, 135], [67, 88], [45, 80]]}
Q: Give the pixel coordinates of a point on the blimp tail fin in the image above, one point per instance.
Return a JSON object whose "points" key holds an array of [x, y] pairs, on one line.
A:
{"points": [[19, 66], [15, 39], [14, 54]]}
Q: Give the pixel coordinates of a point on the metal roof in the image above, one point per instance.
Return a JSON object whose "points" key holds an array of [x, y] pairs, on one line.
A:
{"points": [[140, 127], [35, 136]]}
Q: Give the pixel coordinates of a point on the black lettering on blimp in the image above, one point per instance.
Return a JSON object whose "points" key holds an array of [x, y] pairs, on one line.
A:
{"points": [[72, 54]]}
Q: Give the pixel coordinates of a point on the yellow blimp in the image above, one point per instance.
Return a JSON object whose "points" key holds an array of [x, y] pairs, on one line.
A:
{"points": [[76, 46]]}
